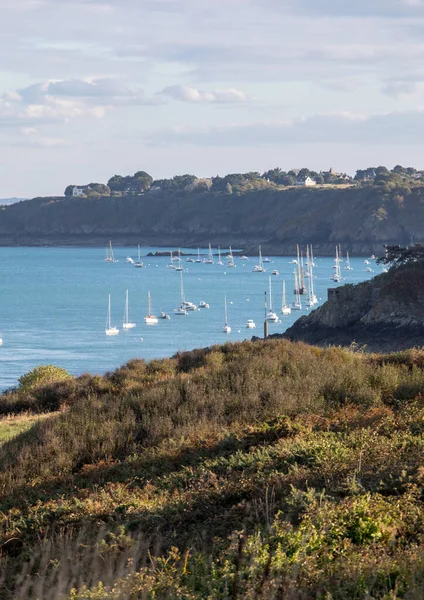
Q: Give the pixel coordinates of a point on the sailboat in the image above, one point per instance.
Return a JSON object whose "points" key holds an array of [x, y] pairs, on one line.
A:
{"points": [[109, 257], [348, 267], [226, 328], [150, 319], [126, 324], [297, 304], [312, 298], [219, 261], [260, 267], [336, 276], [271, 316], [139, 264], [285, 310], [181, 310], [179, 268], [109, 329], [198, 256], [230, 258], [171, 264], [300, 289], [209, 260]]}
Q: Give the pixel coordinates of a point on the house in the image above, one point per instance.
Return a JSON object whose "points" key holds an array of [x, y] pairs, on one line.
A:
{"points": [[306, 182], [77, 191]]}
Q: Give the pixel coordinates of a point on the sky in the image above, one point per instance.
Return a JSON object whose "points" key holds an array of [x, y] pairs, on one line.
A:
{"points": [[93, 88]]}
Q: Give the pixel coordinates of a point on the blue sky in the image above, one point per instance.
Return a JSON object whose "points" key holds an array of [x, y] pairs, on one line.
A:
{"points": [[90, 88]]}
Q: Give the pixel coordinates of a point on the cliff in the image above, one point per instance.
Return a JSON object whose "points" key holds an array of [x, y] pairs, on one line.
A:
{"points": [[362, 219], [384, 314]]}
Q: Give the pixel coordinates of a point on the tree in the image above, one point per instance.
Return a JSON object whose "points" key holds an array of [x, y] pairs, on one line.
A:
{"points": [[142, 181], [399, 255], [117, 183], [42, 375], [69, 191]]}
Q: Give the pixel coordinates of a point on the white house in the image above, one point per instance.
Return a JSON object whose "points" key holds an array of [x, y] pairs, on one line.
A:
{"points": [[306, 182], [77, 191]]}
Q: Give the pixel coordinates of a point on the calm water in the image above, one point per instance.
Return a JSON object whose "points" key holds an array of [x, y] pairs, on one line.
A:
{"points": [[54, 303]]}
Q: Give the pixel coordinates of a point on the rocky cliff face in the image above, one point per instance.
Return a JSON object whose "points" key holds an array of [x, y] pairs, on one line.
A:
{"points": [[384, 314], [361, 219]]}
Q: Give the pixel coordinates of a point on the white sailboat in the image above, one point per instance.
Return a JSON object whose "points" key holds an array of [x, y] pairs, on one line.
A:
{"points": [[226, 328], [271, 316], [179, 267], [138, 264], [297, 304], [198, 256], [109, 329], [336, 276], [171, 264], [250, 324], [150, 319], [259, 268], [209, 260], [181, 310], [285, 309], [219, 261], [126, 323], [230, 258], [109, 257], [348, 267], [312, 298]]}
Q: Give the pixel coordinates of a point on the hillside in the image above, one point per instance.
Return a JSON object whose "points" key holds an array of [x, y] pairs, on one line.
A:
{"points": [[384, 314], [361, 218], [244, 471]]}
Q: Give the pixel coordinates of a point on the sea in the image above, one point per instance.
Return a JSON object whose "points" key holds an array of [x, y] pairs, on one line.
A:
{"points": [[54, 301]]}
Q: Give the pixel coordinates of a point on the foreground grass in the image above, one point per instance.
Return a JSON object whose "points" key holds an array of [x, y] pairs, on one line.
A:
{"points": [[249, 470], [12, 426]]}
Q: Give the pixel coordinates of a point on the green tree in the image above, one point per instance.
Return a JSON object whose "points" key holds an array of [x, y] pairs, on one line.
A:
{"points": [[69, 190], [42, 375], [141, 181], [117, 183]]}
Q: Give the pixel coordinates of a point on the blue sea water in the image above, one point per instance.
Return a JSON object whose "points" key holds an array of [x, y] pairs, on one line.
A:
{"points": [[53, 305]]}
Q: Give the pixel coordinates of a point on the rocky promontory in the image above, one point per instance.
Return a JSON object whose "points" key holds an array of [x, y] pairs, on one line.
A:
{"points": [[385, 314]]}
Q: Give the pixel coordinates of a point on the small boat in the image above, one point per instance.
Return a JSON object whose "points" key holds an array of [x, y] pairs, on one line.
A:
{"points": [[250, 324], [293, 262], [348, 267], [190, 260], [384, 270], [275, 272], [369, 270], [244, 257], [209, 260], [266, 260], [372, 257], [203, 304], [189, 306], [219, 261], [139, 264], [109, 329], [297, 304], [230, 259], [129, 260], [271, 316], [198, 256], [164, 315], [226, 328], [336, 276], [285, 309], [366, 262], [109, 257], [260, 267], [171, 264], [181, 310], [150, 319], [126, 323], [179, 268]]}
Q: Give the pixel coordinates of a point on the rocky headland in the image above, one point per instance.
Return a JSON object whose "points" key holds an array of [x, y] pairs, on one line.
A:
{"points": [[360, 218], [385, 314]]}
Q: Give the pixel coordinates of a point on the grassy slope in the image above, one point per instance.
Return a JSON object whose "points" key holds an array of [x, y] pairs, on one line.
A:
{"points": [[258, 470], [13, 425]]}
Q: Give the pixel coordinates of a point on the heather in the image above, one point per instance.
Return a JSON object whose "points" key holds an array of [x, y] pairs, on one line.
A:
{"points": [[251, 470]]}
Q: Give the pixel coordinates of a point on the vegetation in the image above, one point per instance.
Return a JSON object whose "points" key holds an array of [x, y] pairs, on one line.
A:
{"points": [[399, 255], [250, 470]]}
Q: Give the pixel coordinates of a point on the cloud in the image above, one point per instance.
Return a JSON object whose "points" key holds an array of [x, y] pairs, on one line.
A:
{"points": [[405, 127], [186, 93]]}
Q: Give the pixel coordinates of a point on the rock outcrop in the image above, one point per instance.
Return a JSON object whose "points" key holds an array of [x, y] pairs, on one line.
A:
{"points": [[384, 314]]}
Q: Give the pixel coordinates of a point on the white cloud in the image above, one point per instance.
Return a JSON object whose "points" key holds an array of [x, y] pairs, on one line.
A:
{"points": [[186, 93]]}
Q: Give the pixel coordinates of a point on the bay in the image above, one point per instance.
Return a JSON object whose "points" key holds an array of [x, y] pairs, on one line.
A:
{"points": [[53, 304]]}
